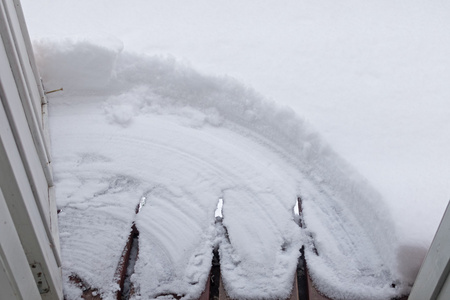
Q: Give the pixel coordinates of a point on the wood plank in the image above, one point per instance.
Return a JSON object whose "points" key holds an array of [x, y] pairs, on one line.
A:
{"points": [[206, 293], [313, 294], [294, 293]]}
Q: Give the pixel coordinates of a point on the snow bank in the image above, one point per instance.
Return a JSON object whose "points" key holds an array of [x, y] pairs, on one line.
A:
{"points": [[128, 126], [86, 54]]}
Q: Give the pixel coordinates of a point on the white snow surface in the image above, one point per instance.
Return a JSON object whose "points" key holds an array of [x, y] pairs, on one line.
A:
{"points": [[371, 76], [146, 126]]}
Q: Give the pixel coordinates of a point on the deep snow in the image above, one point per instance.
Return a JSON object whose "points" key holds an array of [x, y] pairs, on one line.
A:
{"points": [[372, 77], [139, 126]]}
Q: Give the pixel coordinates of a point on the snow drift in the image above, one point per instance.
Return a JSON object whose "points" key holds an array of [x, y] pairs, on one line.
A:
{"points": [[128, 126]]}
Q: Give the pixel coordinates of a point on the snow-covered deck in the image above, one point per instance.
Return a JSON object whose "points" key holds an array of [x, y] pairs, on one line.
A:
{"points": [[130, 127], [134, 129]]}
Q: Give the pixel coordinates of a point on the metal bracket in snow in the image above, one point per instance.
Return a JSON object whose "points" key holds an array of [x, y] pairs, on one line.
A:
{"points": [[39, 277], [49, 92]]}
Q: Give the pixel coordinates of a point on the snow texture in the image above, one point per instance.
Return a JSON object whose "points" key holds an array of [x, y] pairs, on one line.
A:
{"points": [[371, 76], [138, 126]]}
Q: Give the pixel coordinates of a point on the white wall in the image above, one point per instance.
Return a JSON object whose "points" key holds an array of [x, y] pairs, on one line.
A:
{"points": [[433, 280], [29, 241]]}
